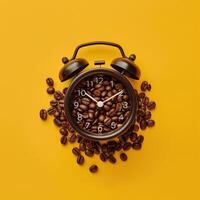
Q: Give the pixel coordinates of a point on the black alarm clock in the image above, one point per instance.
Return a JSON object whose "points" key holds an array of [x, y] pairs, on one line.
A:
{"points": [[100, 103]]}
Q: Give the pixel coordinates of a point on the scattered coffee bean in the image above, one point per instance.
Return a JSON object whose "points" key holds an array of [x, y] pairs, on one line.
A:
{"points": [[150, 123], [82, 146], [144, 86], [143, 124], [149, 87], [50, 90], [151, 105], [93, 168], [112, 159], [63, 131], [72, 138], [103, 157], [136, 146], [76, 151], [80, 160], [89, 152], [57, 122], [49, 81], [127, 146], [63, 140], [43, 114], [123, 157]]}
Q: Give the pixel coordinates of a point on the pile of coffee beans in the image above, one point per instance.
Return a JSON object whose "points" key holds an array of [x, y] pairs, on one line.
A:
{"points": [[115, 108], [105, 150]]}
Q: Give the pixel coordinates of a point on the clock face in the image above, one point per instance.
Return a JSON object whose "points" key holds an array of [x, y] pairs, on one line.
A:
{"points": [[99, 104]]}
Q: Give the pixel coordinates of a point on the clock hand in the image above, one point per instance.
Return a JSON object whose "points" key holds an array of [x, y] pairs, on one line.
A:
{"points": [[91, 97], [113, 96]]}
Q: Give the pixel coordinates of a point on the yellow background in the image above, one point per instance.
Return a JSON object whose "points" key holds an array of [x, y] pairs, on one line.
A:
{"points": [[164, 35]]}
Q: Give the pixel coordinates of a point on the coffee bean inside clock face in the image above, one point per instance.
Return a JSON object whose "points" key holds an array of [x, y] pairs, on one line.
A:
{"points": [[100, 104]]}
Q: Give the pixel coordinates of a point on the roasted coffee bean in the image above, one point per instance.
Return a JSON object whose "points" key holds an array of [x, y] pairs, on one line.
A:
{"points": [[43, 114], [49, 81], [97, 86], [147, 115], [125, 97], [101, 118], [141, 95], [82, 146], [118, 147], [109, 94], [140, 139], [150, 123], [107, 121], [93, 168], [91, 115], [112, 159], [50, 90], [137, 146], [127, 146], [103, 94], [118, 86], [102, 88], [133, 137], [72, 138], [146, 100], [92, 105], [118, 107], [58, 95], [56, 114], [65, 90], [123, 157], [63, 131], [53, 103], [106, 107], [51, 111], [57, 122], [144, 86], [83, 107], [149, 87], [103, 157], [97, 93], [108, 87], [89, 152], [106, 83], [136, 128], [151, 105], [115, 118], [63, 140], [76, 151], [85, 101], [119, 98], [143, 124], [80, 160], [126, 114], [109, 103]]}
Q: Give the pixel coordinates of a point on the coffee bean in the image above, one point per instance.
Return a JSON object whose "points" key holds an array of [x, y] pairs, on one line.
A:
{"points": [[150, 123], [151, 105], [112, 159], [136, 128], [149, 87], [103, 157], [93, 168], [56, 114], [118, 107], [119, 98], [80, 160], [127, 146], [137, 146], [125, 97], [91, 115], [97, 93], [115, 118], [102, 88], [82, 146], [123, 157], [143, 125], [72, 138], [63, 140], [106, 107], [89, 152], [92, 105], [103, 94], [63, 131], [49, 81], [50, 90], [51, 111], [76, 151], [65, 90], [106, 83], [43, 114], [133, 137], [147, 115], [97, 86], [144, 86], [118, 86], [101, 118], [53, 103], [118, 147], [85, 101], [57, 122], [140, 139], [58, 95], [107, 121], [109, 94], [141, 95], [83, 107], [108, 87]]}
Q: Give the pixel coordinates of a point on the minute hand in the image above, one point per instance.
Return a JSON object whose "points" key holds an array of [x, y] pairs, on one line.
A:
{"points": [[113, 96]]}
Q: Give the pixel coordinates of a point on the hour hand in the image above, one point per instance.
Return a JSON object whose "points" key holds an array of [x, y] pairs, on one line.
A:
{"points": [[91, 97]]}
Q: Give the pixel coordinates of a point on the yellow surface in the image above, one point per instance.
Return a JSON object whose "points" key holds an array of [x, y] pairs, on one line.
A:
{"points": [[34, 35]]}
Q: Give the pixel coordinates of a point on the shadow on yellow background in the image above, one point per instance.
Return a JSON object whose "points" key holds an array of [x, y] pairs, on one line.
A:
{"points": [[34, 35]]}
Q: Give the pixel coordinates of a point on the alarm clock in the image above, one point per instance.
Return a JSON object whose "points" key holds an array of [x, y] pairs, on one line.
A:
{"points": [[100, 103]]}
